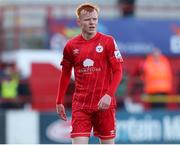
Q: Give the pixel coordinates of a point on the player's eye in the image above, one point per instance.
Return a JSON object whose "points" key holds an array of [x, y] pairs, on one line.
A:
{"points": [[86, 19]]}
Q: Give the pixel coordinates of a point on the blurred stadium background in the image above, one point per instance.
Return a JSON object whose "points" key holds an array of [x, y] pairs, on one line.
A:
{"points": [[32, 36]]}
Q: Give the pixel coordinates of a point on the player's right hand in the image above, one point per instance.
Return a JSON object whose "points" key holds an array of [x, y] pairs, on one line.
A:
{"points": [[61, 111]]}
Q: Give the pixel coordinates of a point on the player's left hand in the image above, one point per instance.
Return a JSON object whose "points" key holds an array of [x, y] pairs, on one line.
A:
{"points": [[104, 102]]}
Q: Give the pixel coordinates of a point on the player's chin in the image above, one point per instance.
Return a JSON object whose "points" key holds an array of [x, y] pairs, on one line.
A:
{"points": [[92, 31]]}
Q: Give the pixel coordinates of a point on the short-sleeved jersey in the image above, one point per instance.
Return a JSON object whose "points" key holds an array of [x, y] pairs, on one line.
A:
{"points": [[93, 61]]}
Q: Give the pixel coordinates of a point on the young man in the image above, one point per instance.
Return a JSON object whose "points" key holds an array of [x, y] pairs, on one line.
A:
{"points": [[97, 67]]}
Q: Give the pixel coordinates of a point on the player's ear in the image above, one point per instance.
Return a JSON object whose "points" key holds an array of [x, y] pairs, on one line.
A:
{"points": [[78, 22]]}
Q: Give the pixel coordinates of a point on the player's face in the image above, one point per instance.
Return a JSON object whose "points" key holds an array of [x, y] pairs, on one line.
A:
{"points": [[88, 22]]}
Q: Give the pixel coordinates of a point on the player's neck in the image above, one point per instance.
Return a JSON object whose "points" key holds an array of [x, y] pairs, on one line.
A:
{"points": [[87, 36]]}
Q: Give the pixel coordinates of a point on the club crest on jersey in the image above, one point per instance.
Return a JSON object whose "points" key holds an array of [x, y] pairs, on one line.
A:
{"points": [[99, 48], [88, 62]]}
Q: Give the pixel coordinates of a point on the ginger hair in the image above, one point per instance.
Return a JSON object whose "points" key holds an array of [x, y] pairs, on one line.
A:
{"points": [[87, 7]]}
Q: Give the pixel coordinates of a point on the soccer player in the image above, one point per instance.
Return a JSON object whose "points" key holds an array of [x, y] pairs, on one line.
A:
{"points": [[97, 66]]}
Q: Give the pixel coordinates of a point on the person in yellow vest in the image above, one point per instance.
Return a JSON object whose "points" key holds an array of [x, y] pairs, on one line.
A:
{"points": [[9, 88], [157, 74], [9, 91]]}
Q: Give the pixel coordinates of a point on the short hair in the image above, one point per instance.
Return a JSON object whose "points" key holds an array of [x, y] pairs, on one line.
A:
{"points": [[87, 7]]}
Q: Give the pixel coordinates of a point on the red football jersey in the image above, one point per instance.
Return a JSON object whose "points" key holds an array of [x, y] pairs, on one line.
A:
{"points": [[94, 61]]}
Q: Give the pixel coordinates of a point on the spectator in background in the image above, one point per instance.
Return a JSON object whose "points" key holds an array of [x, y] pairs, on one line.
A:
{"points": [[157, 74], [9, 89], [126, 7]]}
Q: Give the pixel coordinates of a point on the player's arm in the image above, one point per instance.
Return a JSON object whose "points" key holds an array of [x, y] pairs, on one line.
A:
{"points": [[117, 76], [115, 60], [105, 101], [63, 82]]}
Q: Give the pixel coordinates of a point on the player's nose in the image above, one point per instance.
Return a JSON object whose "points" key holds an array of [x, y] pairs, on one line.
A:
{"points": [[92, 21]]}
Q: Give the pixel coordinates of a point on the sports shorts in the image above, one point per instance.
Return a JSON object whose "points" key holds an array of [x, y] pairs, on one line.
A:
{"points": [[102, 123]]}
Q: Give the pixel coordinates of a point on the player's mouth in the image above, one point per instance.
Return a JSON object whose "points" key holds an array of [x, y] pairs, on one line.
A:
{"points": [[92, 27]]}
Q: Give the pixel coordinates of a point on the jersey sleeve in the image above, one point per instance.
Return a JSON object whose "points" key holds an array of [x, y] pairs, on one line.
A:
{"points": [[65, 74], [67, 59], [63, 84], [114, 55], [115, 59]]}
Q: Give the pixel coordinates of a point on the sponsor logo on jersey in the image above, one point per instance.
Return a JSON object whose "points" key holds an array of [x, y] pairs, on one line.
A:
{"points": [[117, 54], [88, 62], [89, 70], [76, 51], [99, 48], [89, 67], [112, 132]]}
